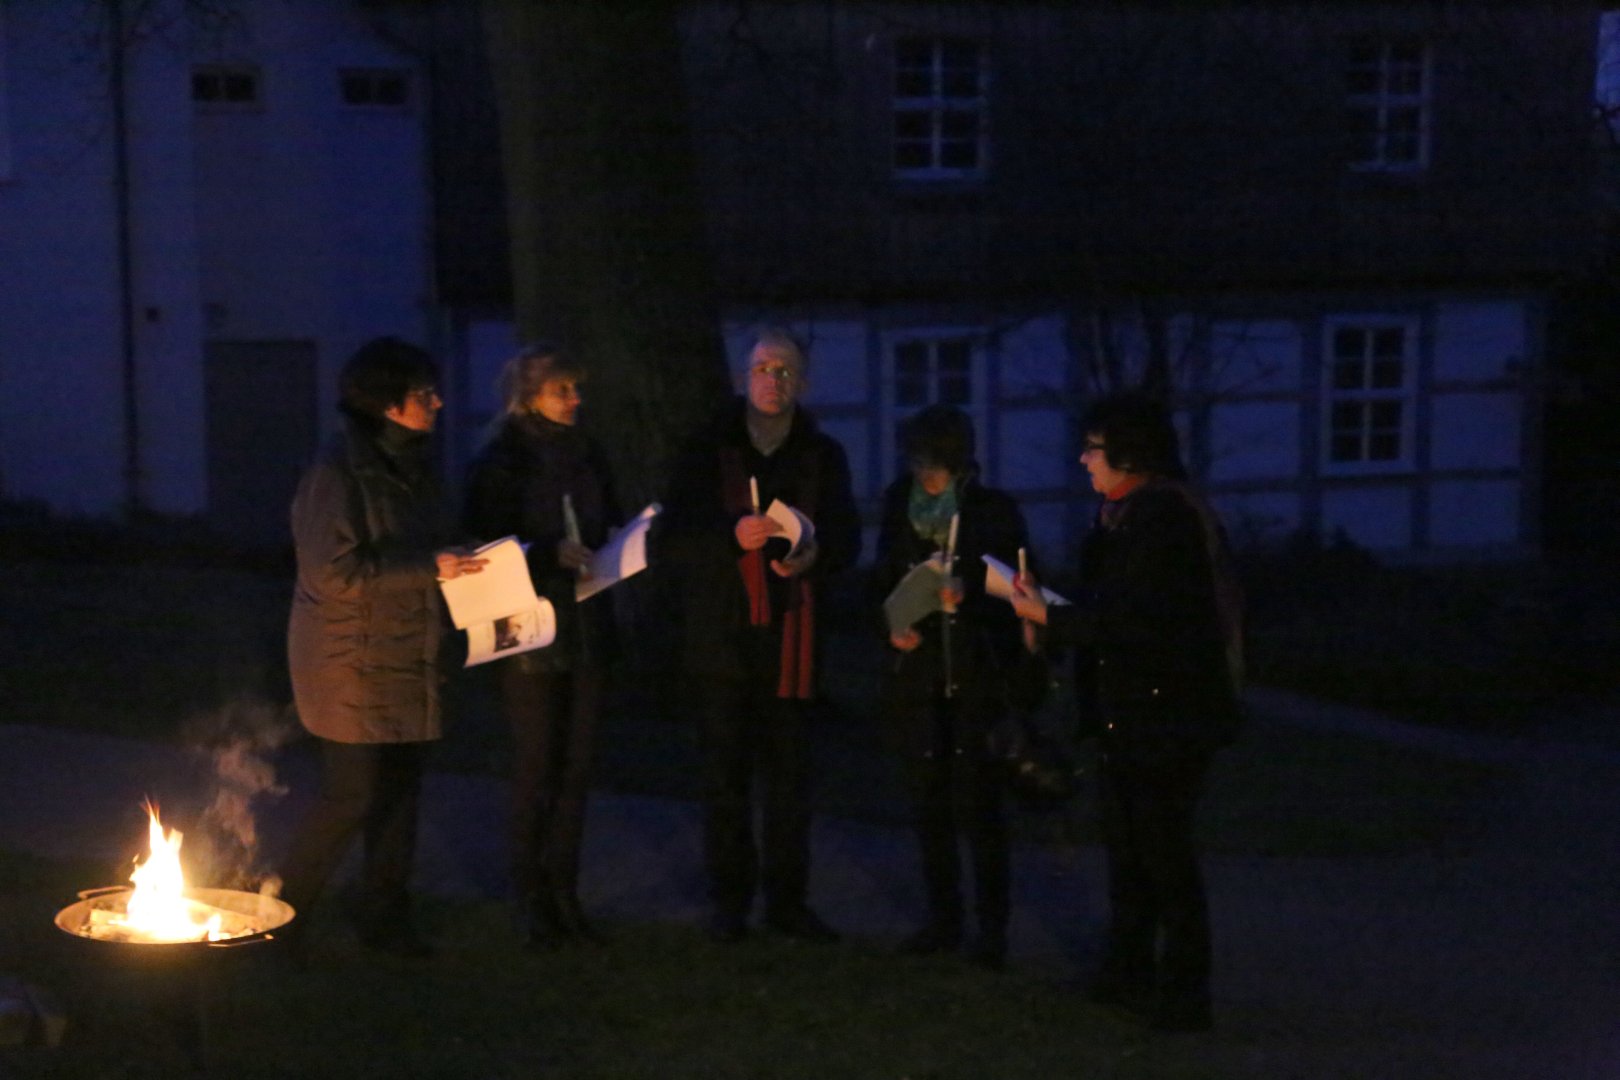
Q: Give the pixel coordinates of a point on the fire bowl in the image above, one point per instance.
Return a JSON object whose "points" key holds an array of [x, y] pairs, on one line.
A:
{"points": [[245, 918]]}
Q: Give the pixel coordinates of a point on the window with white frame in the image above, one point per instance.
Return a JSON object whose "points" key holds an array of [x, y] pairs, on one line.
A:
{"points": [[1368, 394], [933, 368], [225, 86], [375, 88], [940, 109], [1387, 106]]}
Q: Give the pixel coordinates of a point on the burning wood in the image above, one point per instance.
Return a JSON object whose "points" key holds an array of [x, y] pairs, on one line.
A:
{"points": [[161, 909]]}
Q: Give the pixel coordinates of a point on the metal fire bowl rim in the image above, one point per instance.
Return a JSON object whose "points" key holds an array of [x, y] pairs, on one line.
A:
{"points": [[269, 912]]}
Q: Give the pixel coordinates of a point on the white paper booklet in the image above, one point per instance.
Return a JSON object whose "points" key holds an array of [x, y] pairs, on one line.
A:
{"points": [[512, 634], [625, 555], [998, 579], [797, 528], [915, 596], [498, 607]]}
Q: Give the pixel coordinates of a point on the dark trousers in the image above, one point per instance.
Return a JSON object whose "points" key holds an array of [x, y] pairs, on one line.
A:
{"points": [[368, 789], [956, 794], [749, 731], [1158, 935], [553, 719]]}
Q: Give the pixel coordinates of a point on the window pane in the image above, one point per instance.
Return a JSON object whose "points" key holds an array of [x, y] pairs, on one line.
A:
{"points": [[1386, 415], [1406, 54], [1345, 448], [910, 391], [957, 124], [1406, 81], [957, 56], [1346, 416], [1347, 375], [959, 155], [954, 357], [356, 89], [910, 82], [955, 390], [205, 86], [1405, 120], [391, 90], [912, 125], [913, 53], [1347, 343], [913, 155], [911, 358], [1364, 55], [240, 87], [1361, 80], [1383, 446], [1386, 375], [1389, 343]]}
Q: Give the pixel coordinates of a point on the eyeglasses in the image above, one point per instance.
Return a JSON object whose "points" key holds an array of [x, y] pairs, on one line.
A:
{"points": [[775, 372], [1093, 444], [427, 395]]}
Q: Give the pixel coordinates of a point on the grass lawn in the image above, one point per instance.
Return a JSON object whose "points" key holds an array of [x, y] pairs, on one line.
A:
{"points": [[661, 1001], [150, 652]]}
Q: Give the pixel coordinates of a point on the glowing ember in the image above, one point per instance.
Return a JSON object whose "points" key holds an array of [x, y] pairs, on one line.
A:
{"points": [[158, 909]]}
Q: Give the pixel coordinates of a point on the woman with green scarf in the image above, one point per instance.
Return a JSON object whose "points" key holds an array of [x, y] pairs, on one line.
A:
{"points": [[945, 676]]}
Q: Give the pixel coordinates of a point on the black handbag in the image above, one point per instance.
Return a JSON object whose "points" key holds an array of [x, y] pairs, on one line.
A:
{"points": [[1039, 772]]}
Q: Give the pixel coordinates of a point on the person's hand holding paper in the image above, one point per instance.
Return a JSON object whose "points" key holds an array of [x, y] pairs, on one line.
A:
{"points": [[800, 534]]}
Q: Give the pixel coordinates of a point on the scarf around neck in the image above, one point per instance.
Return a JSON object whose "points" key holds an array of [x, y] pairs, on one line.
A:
{"points": [[931, 514]]}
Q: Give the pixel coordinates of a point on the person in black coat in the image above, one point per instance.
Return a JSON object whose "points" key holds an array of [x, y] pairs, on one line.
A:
{"points": [[536, 470], [944, 685], [748, 610], [371, 533], [1156, 630]]}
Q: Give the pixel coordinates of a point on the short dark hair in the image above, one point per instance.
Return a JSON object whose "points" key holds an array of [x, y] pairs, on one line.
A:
{"points": [[1138, 435], [382, 373], [939, 435]]}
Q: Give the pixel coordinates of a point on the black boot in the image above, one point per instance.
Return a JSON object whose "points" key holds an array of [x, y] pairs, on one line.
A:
{"points": [[989, 949], [571, 918], [940, 935], [543, 928]]}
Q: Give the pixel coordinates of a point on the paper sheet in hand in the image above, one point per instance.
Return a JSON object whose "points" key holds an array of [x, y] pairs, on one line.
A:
{"points": [[998, 579], [915, 597], [795, 526], [500, 589], [511, 634], [623, 556]]}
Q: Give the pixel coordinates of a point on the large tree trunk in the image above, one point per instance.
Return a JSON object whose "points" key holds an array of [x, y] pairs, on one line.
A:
{"points": [[608, 247]]}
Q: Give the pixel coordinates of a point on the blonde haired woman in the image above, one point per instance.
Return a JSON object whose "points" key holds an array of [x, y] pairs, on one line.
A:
{"points": [[538, 468]]}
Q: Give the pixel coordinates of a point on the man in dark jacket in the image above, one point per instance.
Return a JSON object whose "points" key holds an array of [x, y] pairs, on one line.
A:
{"points": [[370, 535], [1155, 629], [748, 610]]}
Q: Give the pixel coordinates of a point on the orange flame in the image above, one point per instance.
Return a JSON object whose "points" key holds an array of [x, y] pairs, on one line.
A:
{"points": [[158, 909]]}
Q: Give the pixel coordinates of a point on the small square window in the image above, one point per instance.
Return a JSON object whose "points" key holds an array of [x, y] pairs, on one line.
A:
{"points": [[377, 88], [939, 130], [227, 85]]}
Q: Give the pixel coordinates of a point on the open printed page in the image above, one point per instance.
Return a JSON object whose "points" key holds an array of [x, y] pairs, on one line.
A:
{"points": [[512, 634], [796, 528], [915, 597], [998, 579], [625, 555], [501, 588]]}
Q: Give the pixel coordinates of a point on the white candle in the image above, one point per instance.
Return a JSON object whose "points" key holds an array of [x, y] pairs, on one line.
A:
{"points": [[753, 493], [1023, 563], [570, 521], [950, 540]]}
